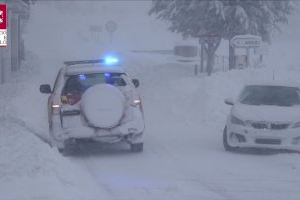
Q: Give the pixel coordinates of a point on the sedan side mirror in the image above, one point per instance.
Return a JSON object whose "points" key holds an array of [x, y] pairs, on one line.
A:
{"points": [[45, 88], [136, 82], [229, 101]]}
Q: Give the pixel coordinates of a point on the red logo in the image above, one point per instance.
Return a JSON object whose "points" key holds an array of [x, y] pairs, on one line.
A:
{"points": [[3, 16]]}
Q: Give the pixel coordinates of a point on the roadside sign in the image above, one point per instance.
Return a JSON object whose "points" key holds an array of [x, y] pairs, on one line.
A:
{"points": [[111, 26], [240, 51], [95, 31], [3, 24], [246, 41], [263, 49]]}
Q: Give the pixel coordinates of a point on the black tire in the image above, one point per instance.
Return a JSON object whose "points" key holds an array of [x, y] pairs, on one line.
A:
{"points": [[69, 149], [61, 150], [137, 147], [227, 147]]}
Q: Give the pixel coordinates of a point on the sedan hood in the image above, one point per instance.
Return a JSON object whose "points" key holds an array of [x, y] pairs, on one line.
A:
{"points": [[267, 113]]}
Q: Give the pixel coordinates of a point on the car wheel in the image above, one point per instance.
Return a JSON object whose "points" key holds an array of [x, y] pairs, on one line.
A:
{"points": [[67, 151], [137, 147], [61, 150], [69, 148], [225, 142]]}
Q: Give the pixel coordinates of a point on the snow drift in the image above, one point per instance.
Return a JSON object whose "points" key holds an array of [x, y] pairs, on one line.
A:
{"points": [[30, 169]]}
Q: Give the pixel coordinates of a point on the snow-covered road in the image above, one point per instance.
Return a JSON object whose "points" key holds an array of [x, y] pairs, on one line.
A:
{"points": [[185, 115], [184, 157]]}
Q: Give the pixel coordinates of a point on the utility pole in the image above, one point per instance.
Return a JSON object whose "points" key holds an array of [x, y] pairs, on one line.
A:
{"points": [[201, 56]]}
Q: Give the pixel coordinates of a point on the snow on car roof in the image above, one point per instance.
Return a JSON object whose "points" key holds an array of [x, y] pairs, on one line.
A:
{"points": [[274, 83], [92, 68]]}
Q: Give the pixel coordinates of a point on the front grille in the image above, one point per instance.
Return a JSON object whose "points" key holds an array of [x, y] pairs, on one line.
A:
{"points": [[259, 125], [266, 125], [279, 126], [268, 141]]}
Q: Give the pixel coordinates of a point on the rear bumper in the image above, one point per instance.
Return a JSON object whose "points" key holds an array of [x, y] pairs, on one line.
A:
{"points": [[240, 136], [75, 129]]}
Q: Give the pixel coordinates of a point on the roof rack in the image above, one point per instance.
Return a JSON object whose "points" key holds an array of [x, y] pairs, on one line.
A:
{"points": [[68, 63]]}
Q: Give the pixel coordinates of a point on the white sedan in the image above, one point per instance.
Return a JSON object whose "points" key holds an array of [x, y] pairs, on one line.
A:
{"points": [[265, 115]]}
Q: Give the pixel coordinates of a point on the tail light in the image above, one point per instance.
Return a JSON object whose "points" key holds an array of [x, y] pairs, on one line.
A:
{"points": [[55, 108], [136, 102]]}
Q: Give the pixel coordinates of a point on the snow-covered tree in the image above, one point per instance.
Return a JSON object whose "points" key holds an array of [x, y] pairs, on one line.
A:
{"points": [[217, 19]]}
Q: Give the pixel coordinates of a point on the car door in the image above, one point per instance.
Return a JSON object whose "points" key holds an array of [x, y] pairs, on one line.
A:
{"points": [[53, 96]]}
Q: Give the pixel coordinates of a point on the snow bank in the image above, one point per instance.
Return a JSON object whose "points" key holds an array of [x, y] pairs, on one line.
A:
{"points": [[30, 169]]}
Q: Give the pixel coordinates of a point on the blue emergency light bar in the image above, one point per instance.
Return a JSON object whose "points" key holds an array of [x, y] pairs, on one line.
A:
{"points": [[109, 60], [77, 62]]}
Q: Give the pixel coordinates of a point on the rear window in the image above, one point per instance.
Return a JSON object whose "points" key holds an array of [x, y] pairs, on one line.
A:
{"points": [[81, 82]]}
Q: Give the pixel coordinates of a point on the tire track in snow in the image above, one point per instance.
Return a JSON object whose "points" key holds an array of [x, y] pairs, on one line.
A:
{"points": [[168, 154], [189, 172]]}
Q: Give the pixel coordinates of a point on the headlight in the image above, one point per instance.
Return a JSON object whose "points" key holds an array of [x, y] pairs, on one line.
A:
{"points": [[296, 125], [237, 121]]}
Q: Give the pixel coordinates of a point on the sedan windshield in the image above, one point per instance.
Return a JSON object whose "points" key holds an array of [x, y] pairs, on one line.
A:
{"points": [[270, 95]]}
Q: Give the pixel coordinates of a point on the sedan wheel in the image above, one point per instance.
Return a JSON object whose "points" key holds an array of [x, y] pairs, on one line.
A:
{"points": [[137, 147], [225, 142]]}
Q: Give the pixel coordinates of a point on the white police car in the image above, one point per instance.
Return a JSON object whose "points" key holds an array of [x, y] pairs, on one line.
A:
{"points": [[265, 115], [94, 100]]}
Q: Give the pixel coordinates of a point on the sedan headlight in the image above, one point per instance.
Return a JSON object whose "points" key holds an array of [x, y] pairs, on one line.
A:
{"points": [[237, 121]]}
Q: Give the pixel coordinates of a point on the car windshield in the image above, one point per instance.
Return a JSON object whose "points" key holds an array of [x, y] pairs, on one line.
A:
{"points": [[81, 82], [270, 95]]}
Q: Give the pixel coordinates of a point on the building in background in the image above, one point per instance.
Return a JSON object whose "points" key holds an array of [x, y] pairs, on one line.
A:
{"points": [[11, 56]]}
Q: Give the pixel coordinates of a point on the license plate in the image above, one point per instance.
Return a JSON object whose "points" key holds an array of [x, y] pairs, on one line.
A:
{"points": [[268, 141]]}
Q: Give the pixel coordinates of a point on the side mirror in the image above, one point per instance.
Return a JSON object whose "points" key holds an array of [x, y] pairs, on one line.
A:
{"points": [[136, 82], [45, 88], [229, 101]]}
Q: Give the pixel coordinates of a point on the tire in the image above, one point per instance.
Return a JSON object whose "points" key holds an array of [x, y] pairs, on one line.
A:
{"points": [[61, 150], [226, 145], [68, 149], [137, 147]]}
